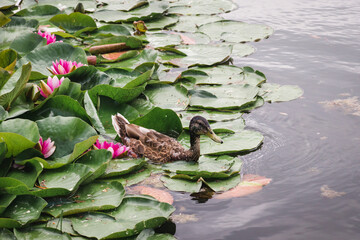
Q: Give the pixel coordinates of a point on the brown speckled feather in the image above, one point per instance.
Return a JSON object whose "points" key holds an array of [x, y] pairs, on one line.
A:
{"points": [[150, 143]]}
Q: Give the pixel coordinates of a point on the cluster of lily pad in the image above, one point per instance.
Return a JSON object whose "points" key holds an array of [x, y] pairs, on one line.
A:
{"points": [[57, 179]]}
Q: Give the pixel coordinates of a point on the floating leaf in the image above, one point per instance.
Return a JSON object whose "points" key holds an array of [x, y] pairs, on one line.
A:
{"points": [[43, 57], [272, 92], [162, 120], [162, 39], [27, 42], [181, 185], [3, 19], [73, 22], [6, 234], [243, 141], [28, 174], [224, 97], [92, 113], [25, 209], [62, 224], [91, 197], [5, 201], [195, 55], [161, 23], [33, 233], [13, 186], [233, 31], [132, 178], [223, 184], [167, 96], [20, 135], [63, 180], [124, 5], [13, 87], [8, 60], [119, 167], [191, 23]]}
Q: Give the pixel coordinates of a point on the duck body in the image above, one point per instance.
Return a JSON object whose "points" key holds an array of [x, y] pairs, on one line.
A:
{"points": [[159, 147]]}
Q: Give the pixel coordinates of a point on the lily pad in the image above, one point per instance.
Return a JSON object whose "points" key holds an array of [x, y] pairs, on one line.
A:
{"points": [[162, 39], [13, 87], [181, 185], [5, 201], [43, 57], [7, 234], [226, 74], [191, 23], [272, 92], [148, 12], [224, 97], [161, 23], [73, 22], [62, 224], [33, 233], [13, 186], [195, 55], [72, 136], [119, 167], [91, 197], [162, 120], [167, 96], [25, 209], [243, 141], [146, 56], [27, 42], [62, 181], [233, 31], [29, 174], [132, 178], [220, 185], [8, 59], [124, 5], [211, 116], [97, 160], [19, 135]]}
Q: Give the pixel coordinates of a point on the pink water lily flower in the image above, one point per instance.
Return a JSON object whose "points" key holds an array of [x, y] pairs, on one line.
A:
{"points": [[47, 147], [64, 67], [46, 89], [50, 38], [117, 149]]}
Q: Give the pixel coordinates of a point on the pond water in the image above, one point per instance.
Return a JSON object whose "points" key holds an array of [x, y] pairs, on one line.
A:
{"points": [[310, 148]]}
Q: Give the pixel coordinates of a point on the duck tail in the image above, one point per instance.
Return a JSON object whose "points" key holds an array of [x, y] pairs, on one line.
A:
{"points": [[119, 122]]}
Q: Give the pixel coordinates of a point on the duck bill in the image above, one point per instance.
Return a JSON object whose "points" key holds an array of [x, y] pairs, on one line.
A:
{"points": [[214, 137]]}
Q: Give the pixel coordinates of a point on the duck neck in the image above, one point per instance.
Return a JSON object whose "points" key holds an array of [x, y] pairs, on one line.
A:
{"points": [[195, 146]]}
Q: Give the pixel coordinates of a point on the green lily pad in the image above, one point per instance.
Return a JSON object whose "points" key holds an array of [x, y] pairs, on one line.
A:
{"points": [[13, 186], [272, 92], [73, 22], [187, 7], [27, 42], [9, 223], [132, 178], [181, 185], [225, 74], [62, 224], [13, 87], [97, 160], [43, 57], [8, 59], [25, 209], [58, 106], [5, 201], [143, 212], [38, 10], [34, 233], [124, 5], [67, 132], [146, 56], [20, 134], [28, 174], [3, 19], [211, 116], [148, 12], [63, 180], [88, 77], [162, 39], [93, 114], [111, 30], [90, 197], [119, 167], [131, 42], [165, 121], [161, 23], [6, 234], [14, 29], [243, 141], [224, 97], [167, 96], [223, 184], [233, 31], [191, 23], [195, 55], [241, 49]]}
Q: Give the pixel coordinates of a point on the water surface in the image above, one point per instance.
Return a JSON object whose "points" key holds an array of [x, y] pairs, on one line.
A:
{"points": [[307, 147]]}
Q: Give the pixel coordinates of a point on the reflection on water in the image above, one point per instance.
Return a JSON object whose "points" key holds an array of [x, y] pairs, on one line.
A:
{"points": [[310, 152]]}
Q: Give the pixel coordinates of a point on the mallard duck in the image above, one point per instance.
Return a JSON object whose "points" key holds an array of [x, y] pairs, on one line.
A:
{"points": [[159, 147]]}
